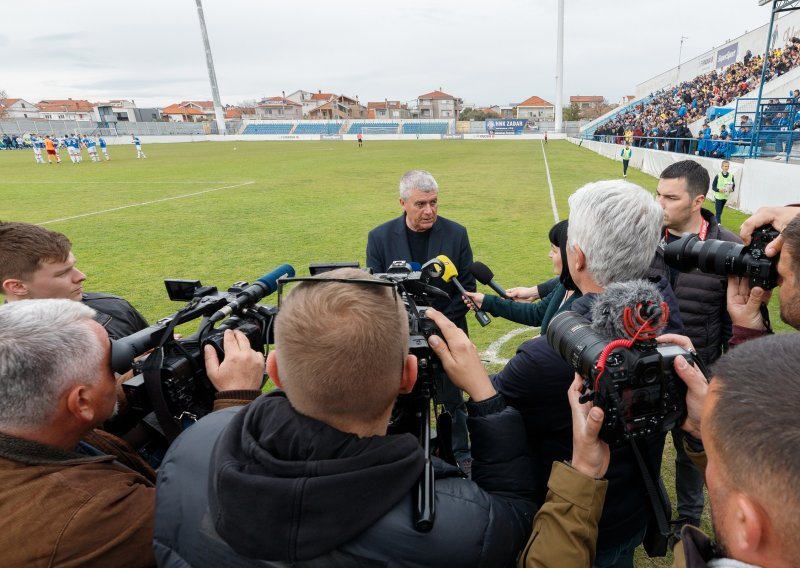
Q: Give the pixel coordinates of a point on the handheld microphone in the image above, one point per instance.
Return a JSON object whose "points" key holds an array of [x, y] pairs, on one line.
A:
{"points": [[261, 288], [451, 275], [627, 307], [485, 276]]}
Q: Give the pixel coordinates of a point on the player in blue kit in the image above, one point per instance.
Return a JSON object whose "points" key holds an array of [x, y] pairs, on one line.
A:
{"points": [[103, 146], [74, 148], [138, 144], [37, 144], [91, 146]]}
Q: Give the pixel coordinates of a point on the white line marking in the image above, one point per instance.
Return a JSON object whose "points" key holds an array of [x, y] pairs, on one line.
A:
{"points": [[550, 183], [145, 203], [491, 353]]}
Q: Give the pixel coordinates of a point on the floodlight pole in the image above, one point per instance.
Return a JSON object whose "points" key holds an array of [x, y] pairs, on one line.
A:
{"points": [[680, 53], [560, 67], [212, 76]]}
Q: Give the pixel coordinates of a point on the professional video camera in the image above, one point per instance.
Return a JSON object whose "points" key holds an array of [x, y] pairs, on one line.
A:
{"points": [[727, 258], [171, 382], [625, 371]]}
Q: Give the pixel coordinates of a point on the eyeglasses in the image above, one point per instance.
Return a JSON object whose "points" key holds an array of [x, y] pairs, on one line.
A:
{"points": [[282, 282]]}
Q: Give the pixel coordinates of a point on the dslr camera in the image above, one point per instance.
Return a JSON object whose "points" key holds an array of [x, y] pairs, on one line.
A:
{"points": [[725, 258], [632, 380]]}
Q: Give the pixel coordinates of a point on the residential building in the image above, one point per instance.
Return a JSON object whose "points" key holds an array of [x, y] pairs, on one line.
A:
{"points": [[181, 112], [387, 109], [536, 109], [438, 104], [337, 108], [238, 113], [18, 108], [587, 102], [279, 108], [66, 109]]}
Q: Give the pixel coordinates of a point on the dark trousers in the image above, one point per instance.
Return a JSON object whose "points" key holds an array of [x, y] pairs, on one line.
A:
{"points": [[719, 205], [625, 167], [688, 480], [452, 398]]}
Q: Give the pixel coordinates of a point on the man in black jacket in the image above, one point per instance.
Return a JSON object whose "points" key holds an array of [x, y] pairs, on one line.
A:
{"points": [[309, 474], [36, 263], [419, 235], [701, 297], [613, 231]]}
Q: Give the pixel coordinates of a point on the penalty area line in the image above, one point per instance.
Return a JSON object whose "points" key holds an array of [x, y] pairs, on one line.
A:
{"points": [[492, 352], [143, 203], [550, 183]]}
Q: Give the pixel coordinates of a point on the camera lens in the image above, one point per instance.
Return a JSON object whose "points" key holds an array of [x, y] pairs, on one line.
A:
{"points": [[711, 256], [572, 336]]}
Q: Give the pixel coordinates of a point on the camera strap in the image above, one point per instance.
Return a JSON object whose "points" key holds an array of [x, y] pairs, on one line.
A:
{"points": [[655, 544], [151, 371]]}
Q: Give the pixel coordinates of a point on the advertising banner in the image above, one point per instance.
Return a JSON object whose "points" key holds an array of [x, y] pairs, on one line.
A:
{"points": [[506, 125], [727, 55]]}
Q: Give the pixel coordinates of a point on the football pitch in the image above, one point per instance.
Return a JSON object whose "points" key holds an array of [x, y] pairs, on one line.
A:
{"points": [[230, 211], [224, 212]]}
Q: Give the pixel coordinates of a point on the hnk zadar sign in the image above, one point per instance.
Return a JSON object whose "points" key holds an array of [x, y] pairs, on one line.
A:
{"points": [[506, 125]]}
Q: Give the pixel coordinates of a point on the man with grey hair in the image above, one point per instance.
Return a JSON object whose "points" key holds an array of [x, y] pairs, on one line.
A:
{"points": [[613, 232], [72, 495], [417, 236]]}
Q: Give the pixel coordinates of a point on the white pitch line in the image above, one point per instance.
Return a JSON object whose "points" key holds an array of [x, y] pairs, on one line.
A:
{"points": [[145, 203], [550, 183], [491, 353]]}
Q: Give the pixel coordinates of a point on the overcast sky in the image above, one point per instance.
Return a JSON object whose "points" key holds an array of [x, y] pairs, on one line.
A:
{"points": [[495, 52]]}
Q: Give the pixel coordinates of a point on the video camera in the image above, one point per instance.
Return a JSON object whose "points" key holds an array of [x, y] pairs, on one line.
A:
{"points": [[726, 258], [631, 379], [172, 381]]}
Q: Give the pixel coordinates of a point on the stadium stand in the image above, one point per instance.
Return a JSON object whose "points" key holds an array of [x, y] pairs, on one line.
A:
{"points": [[424, 128], [662, 121], [386, 127], [278, 128], [318, 128]]}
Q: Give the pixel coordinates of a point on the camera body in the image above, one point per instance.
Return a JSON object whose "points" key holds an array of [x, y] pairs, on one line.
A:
{"points": [[727, 258], [636, 387]]}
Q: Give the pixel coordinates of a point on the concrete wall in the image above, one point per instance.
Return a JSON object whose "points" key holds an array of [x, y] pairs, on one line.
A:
{"points": [[759, 183]]}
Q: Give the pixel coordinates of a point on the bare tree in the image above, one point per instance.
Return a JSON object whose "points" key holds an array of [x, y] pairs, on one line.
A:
{"points": [[3, 109]]}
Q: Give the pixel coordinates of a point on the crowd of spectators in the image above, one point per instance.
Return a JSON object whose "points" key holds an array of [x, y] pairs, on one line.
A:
{"points": [[662, 122]]}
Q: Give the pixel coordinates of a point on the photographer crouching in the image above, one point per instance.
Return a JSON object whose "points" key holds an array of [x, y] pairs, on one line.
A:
{"points": [[308, 473], [71, 495]]}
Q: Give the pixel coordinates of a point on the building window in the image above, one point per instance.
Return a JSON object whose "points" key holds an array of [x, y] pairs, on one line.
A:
{"points": [[61, 116]]}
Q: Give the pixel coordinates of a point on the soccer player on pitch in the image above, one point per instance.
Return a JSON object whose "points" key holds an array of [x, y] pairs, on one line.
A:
{"points": [[138, 144]]}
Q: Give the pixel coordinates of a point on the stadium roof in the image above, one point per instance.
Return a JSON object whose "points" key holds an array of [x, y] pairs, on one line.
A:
{"points": [[535, 102]]}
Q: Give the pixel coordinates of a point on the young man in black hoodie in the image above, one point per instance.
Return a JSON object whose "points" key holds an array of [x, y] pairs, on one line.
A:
{"points": [[308, 474]]}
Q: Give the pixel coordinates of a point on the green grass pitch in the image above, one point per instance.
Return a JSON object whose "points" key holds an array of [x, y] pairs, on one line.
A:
{"points": [[223, 212]]}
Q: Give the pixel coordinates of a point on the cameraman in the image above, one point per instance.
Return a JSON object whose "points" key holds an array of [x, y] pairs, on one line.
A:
{"points": [[309, 474], [71, 495], [36, 263], [748, 452], [744, 304], [613, 230]]}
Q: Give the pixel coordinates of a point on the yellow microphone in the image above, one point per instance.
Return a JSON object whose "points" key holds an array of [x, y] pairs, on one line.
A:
{"points": [[451, 275]]}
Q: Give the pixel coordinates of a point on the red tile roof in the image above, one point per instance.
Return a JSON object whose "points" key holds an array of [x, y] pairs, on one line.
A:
{"points": [[239, 112], [273, 100], [322, 96], [181, 109], [535, 102], [8, 102], [436, 95], [64, 105], [384, 104]]}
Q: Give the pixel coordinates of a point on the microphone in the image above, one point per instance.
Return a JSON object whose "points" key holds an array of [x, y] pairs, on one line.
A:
{"points": [[450, 274], [485, 276], [626, 307], [261, 288]]}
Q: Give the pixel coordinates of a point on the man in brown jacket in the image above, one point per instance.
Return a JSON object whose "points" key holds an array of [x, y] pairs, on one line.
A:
{"points": [[743, 432], [71, 495]]}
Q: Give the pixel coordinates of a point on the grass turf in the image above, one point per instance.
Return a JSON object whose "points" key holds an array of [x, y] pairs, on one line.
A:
{"points": [[223, 212]]}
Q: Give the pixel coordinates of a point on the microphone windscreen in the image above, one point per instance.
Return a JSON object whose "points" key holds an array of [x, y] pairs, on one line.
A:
{"points": [[608, 310], [481, 272], [450, 271], [271, 277]]}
